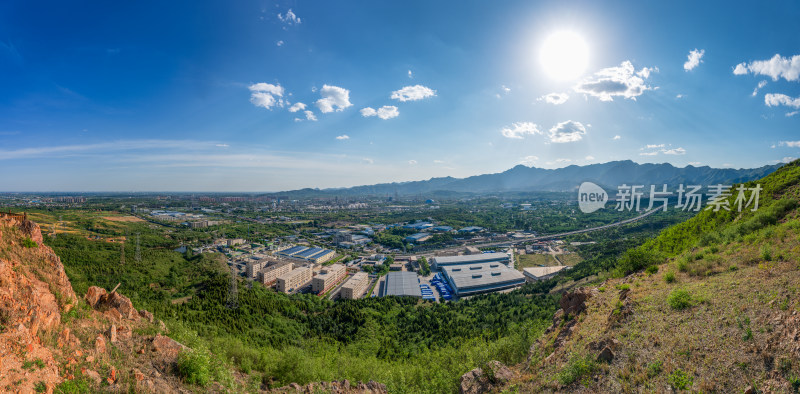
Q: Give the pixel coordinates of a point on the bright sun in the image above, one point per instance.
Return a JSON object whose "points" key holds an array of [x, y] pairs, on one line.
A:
{"points": [[564, 55]]}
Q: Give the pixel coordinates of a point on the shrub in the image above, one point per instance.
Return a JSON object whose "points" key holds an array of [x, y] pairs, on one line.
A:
{"points": [[29, 243], [194, 366], [680, 380], [683, 264], [653, 369], [577, 368], [679, 299], [624, 286], [637, 259], [652, 269], [766, 253], [669, 277]]}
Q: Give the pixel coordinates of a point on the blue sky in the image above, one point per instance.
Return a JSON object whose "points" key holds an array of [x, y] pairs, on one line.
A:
{"points": [[204, 96]]}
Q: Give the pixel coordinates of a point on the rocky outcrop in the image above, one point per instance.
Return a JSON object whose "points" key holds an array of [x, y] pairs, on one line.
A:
{"points": [[34, 291], [484, 380], [116, 305]]}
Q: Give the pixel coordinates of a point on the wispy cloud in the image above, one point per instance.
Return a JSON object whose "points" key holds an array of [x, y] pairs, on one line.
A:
{"points": [[289, 18], [777, 67], [569, 131], [413, 93], [529, 160], [385, 112], [343, 137], [694, 59], [520, 129], [622, 81], [555, 98], [760, 85]]}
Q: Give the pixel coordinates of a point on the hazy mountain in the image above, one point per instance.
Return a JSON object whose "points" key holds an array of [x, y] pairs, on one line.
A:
{"points": [[532, 179]]}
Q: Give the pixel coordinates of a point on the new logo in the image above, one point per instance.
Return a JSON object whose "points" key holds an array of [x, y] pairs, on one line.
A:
{"points": [[591, 197]]}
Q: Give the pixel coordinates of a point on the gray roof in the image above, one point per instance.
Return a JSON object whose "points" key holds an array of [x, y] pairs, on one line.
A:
{"points": [[471, 258], [402, 283], [538, 272], [475, 277]]}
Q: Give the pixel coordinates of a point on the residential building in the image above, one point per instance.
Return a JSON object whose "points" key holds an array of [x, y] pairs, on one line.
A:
{"points": [[439, 262], [270, 274], [236, 241], [295, 279], [355, 287], [252, 268], [328, 277], [473, 279]]}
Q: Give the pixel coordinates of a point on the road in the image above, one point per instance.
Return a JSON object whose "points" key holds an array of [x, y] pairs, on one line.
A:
{"points": [[546, 237]]}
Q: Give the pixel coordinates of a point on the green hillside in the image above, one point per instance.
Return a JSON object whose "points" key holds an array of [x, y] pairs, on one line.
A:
{"points": [[710, 305]]}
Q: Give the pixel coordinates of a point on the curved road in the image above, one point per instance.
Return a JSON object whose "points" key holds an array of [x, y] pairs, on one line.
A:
{"points": [[545, 237]]}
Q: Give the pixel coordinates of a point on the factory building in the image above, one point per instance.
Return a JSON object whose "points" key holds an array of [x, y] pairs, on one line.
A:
{"points": [[328, 278], [401, 283], [440, 262], [270, 274], [418, 237], [355, 287], [466, 280], [294, 280], [310, 254]]}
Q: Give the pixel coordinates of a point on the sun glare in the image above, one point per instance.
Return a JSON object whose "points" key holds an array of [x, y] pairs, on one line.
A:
{"points": [[564, 55]]}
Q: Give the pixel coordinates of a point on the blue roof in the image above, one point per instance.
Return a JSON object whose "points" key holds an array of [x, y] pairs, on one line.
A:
{"points": [[293, 250], [309, 252]]}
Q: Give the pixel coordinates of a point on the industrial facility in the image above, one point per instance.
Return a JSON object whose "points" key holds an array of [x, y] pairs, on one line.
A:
{"points": [[310, 254], [401, 283], [328, 277], [355, 287], [439, 262], [474, 279], [294, 280]]}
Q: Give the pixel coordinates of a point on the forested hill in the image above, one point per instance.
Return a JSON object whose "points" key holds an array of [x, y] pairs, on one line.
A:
{"points": [[532, 179], [710, 305]]}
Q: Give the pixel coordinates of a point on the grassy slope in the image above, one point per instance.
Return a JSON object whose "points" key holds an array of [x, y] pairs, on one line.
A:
{"points": [[737, 328]]}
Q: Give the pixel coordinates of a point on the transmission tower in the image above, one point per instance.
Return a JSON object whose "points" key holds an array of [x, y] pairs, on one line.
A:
{"points": [[233, 292], [138, 255]]}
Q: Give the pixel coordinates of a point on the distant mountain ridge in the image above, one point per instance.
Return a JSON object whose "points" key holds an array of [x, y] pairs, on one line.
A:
{"points": [[531, 179]]}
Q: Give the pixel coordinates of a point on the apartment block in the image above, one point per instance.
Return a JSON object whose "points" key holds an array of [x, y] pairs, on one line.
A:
{"points": [[355, 287], [328, 277], [293, 280], [270, 274]]}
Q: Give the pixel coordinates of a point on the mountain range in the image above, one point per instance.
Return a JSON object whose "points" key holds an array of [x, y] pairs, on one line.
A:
{"points": [[531, 179]]}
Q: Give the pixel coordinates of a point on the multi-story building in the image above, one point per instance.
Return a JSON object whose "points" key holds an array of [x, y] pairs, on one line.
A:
{"points": [[328, 277], [295, 279], [237, 241], [270, 274], [355, 287]]}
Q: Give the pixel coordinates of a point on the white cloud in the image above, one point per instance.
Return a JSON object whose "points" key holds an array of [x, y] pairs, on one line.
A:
{"points": [[529, 160], [385, 112], [694, 59], [520, 129], [679, 96], [622, 81], [793, 113], [776, 99], [410, 75], [343, 137], [653, 146], [506, 89], [367, 160], [648, 153], [438, 162], [791, 144], [297, 107], [555, 98], [412, 162], [333, 98], [676, 151], [569, 131], [563, 160], [413, 93], [760, 85], [787, 159], [310, 116], [279, 43], [616, 138], [290, 18], [694, 163], [775, 68], [590, 157], [222, 145], [266, 95]]}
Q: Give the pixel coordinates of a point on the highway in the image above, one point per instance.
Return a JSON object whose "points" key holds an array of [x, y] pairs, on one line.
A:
{"points": [[543, 237]]}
